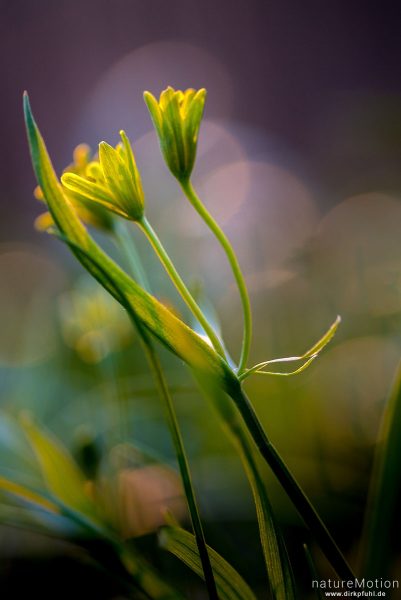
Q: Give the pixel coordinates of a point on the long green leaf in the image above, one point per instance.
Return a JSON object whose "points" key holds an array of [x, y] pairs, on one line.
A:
{"points": [[49, 516], [382, 511], [278, 567], [41, 521], [46, 502], [155, 317], [63, 477], [181, 543], [27, 495], [60, 505], [313, 572]]}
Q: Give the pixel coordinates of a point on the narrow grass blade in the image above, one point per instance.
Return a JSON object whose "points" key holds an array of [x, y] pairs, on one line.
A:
{"points": [[181, 543], [313, 572], [40, 521], [27, 495], [382, 511]]}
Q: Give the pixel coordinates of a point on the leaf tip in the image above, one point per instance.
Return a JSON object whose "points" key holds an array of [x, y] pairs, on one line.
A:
{"points": [[27, 108]]}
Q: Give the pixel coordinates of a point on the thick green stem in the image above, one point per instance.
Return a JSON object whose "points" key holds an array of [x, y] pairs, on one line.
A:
{"points": [[278, 567], [179, 284], [194, 199], [290, 485]]}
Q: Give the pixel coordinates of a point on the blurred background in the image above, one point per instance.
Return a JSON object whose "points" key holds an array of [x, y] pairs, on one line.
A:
{"points": [[299, 161]]}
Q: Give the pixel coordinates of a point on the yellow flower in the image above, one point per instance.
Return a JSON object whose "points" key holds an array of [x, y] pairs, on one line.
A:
{"points": [[89, 212], [177, 118], [113, 182], [92, 323]]}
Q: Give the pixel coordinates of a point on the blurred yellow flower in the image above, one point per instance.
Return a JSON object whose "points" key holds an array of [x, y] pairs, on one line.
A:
{"points": [[90, 213], [92, 322]]}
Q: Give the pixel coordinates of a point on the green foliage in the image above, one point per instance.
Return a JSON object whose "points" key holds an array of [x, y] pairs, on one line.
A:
{"points": [[113, 183], [382, 506], [63, 478], [278, 567], [230, 584]]}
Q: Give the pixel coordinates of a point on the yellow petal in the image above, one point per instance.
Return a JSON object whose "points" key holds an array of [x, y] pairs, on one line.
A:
{"points": [[43, 222]]}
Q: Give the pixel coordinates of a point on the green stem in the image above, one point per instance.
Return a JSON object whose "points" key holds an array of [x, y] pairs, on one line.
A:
{"points": [[179, 284], [290, 485], [124, 240], [278, 567], [194, 199], [184, 470], [182, 460]]}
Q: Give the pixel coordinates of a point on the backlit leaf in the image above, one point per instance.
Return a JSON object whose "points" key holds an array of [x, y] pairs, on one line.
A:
{"points": [[181, 543]]}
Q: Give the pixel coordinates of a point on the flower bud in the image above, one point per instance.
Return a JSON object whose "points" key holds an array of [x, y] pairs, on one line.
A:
{"points": [[113, 182], [177, 118]]}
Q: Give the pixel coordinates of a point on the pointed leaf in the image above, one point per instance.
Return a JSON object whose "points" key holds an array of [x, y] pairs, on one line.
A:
{"points": [[313, 572], [181, 543], [63, 478], [25, 494], [41, 521]]}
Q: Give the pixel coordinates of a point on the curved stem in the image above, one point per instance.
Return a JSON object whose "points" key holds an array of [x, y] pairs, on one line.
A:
{"points": [[194, 199], [179, 284], [290, 485]]}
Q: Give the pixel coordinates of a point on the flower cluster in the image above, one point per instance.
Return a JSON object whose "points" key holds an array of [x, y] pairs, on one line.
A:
{"points": [[110, 182]]}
